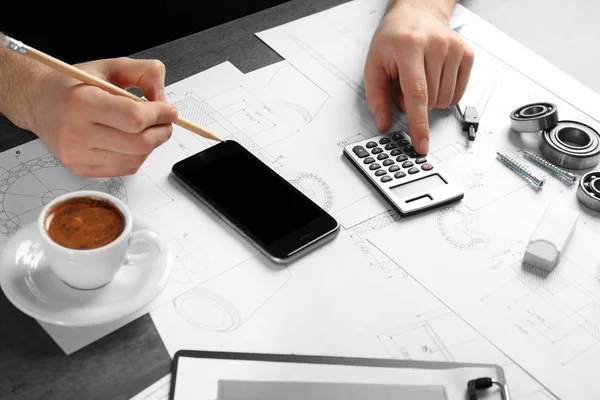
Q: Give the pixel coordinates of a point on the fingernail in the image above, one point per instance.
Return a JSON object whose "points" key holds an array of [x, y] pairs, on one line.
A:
{"points": [[424, 146], [174, 114], [160, 95]]}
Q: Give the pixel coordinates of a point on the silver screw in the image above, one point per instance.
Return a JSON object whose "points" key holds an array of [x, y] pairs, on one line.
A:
{"points": [[521, 170], [568, 177]]}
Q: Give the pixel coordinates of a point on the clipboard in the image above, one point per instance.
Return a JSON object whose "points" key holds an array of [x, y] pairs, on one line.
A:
{"points": [[210, 375]]}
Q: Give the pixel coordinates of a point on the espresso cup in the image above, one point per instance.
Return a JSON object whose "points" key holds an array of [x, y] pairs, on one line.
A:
{"points": [[93, 266]]}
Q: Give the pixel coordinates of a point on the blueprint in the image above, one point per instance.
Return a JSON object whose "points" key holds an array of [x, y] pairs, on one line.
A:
{"points": [[546, 323], [348, 298]]}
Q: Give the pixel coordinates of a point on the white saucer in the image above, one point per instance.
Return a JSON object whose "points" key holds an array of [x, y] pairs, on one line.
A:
{"points": [[29, 283]]}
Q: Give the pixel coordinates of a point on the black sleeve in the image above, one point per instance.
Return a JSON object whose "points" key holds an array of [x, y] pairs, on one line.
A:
{"points": [[117, 28]]}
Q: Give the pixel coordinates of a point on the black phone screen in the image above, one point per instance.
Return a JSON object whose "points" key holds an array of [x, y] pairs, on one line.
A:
{"points": [[255, 198]]}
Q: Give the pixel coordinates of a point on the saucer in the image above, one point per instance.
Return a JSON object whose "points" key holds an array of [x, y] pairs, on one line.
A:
{"points": [[30, 284]]}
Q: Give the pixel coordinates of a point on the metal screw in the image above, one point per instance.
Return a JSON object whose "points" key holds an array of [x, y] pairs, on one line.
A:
{"points": [[521, 170], [568, 177]]}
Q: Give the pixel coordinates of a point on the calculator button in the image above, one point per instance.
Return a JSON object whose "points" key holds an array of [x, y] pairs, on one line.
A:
{"points": [[401, 158], [380, 172], [384, 140], [426, 167], [390, 146], [394, 168], [386, 178], [403, 142], [414, 154], [369, 160], [397, 136], [373, 167], [377, 150], [370, 145], [395, 152], [408, 149], [360, 151], [421, 160], [382, 156], [407, 164], [413, 170], [388, 162], [399, 174]]}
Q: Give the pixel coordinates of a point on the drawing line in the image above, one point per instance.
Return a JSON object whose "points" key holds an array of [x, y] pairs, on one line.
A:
{"points": [[471, 326]]}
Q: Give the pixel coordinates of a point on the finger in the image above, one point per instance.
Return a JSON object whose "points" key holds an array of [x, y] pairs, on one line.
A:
{"points": [[413, 83], [122, 113], [434, 62], [377, 90], [464, 73], [101, 158], [448, 80], [148, 75], [107, 138], [397, 96], [92, 171]]}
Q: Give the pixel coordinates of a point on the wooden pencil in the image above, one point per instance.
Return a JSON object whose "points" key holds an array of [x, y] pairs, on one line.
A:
{"points": [[89, 79]]}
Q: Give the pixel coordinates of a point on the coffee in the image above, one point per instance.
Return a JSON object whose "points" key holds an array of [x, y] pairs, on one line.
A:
{"points": [[84, 223]]}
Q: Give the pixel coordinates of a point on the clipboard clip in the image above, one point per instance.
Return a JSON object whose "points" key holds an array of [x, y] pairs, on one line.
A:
{"points": [[475, 385]]}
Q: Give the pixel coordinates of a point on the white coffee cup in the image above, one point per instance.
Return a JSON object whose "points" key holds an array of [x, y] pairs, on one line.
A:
{"points": [[94, 268]]}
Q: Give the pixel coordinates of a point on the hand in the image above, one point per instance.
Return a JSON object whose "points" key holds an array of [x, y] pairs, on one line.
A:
{"points": [[417, 60], [98, 134]]}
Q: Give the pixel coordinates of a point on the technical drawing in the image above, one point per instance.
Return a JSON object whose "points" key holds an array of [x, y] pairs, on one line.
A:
{"points": [[313, 187], [29, 186], [594, 223], [297, 92], [358, 88], [439, 335], [234, 114], [453, 118], [191, 260], [228, 300], [553, 304], [375, 256], [456, 225]]}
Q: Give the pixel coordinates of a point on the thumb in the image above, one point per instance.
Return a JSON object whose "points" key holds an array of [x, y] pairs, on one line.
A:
{"points": [[377, 90], [147, 75]]}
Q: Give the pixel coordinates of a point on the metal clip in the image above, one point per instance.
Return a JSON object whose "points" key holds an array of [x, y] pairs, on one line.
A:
{"points": [[15, 45]]}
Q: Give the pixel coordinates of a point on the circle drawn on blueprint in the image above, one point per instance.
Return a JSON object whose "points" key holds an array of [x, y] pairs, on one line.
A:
{"points": [[314, 187], [456, 226], [208, 310], [29, 186]]}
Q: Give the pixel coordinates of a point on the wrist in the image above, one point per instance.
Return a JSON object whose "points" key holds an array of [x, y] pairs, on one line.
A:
{"points": [[20, 78], [441, 9]]}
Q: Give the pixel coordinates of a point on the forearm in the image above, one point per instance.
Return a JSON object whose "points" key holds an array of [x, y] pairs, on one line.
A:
{"points": [[18, 78], [441, 8]]}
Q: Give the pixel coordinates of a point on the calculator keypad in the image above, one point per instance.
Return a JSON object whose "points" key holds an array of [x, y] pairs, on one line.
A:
{"points": [[389, 161], [392, 157]]}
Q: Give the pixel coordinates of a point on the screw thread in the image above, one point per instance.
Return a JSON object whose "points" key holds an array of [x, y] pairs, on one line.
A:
{"points": [[548, 166], [521, 170]]}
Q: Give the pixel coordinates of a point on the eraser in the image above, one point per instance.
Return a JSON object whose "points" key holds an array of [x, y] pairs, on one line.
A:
{"points": [[551, 237]]}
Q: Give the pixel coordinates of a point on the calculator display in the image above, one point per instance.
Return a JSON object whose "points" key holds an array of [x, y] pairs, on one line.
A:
{"points": [[408, 189]]}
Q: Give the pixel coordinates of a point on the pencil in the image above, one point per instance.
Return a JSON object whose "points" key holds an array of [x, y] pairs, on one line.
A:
{"points": [[85, 77]]}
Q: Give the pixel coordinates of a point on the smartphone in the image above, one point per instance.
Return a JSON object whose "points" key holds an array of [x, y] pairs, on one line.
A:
{"points": [[276, 217]]}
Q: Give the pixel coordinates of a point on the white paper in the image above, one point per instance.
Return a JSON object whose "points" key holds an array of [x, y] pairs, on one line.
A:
{"points": [[470, 255], [159, 390]]}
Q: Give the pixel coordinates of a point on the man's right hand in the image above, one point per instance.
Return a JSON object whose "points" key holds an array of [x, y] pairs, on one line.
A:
{"points": [[98, 134]]}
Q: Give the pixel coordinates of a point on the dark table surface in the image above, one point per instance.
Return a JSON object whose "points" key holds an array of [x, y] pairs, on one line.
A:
{"points": [[130, 359]]}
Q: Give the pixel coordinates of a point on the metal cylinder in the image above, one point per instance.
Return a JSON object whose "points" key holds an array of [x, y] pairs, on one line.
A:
{"points": [[534, 117], [571, 144], [588, 190]]}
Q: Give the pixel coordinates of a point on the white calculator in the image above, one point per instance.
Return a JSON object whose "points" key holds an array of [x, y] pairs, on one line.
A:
{"points": [[410, 182]]}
